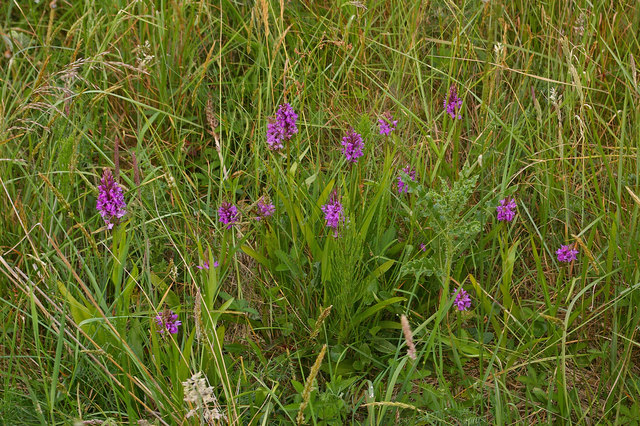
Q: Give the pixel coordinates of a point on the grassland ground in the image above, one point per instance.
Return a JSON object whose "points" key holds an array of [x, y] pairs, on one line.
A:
{"points": [[294, 212]]}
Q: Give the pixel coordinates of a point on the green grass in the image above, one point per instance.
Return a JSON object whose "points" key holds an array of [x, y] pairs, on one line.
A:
{"points": [[175, 96]]}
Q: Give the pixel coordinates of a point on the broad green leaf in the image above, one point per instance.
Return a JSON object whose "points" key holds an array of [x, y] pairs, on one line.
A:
{"points": [[375, 308]]}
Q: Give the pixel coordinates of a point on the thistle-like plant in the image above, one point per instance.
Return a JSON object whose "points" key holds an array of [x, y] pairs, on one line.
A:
{"points": [[446, 212]]}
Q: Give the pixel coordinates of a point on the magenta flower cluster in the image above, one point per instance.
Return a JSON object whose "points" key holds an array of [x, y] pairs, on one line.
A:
{"points": [[506, 210], [333, 214], [453, 103], [168, 321], [462, 300], [228, 214], [387, 124], [265, 209], [205, 265], [402, 186], [567, 254], [281, 127], [352, 146], [110, 203]]}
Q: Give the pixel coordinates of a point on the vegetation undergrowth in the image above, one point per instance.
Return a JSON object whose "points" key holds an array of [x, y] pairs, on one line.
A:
{"points": [[289, 212]]}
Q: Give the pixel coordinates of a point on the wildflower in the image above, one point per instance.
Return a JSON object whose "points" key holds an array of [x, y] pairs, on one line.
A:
{"points": [[168, 321], [110, 203], [287, 118], [333, 214], [387, 124], [566, 254], [195, 388], [453, 103], [353, 146], [402, 186], [423, 247], [282, 127], [265, 209], [463, 301], [198, 393], [274, 136], [506, 210], [173, 272], [228, 214], [205, 265]]}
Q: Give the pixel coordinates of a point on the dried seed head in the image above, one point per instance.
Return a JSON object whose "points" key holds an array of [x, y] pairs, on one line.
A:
{"points": [[323, 315], [408, 337], [306, 393]]}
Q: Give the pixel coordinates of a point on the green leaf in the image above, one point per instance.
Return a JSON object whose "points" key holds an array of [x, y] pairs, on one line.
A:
{"points": [[79, 312], [120, 251], [255, 255], [375, 308], [381, 269], [423, 266]]}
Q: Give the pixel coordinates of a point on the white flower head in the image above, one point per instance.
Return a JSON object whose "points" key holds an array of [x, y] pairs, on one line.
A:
{"points": [[197, 391]]}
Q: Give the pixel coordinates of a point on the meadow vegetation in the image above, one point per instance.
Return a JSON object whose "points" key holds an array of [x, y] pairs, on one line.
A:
{"points": [[319, 212]]}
